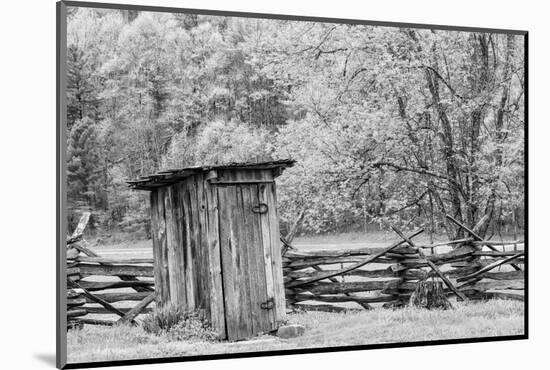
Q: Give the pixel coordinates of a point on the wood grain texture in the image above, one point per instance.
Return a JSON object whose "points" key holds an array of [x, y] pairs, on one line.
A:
{"points": [[264, 318], [243, 269], [115, 270], [189, 238], [172, 243], [102, 285], [179, 250], [77, 312], [350, 287], [119, 297], [265, 228], [302, 297], [118, 261], [245, 242], [202, 243], [258, 293], [153, 209], [97, 322], [227, 204], [322, 308], [214, 273], [130, 315], [280, 310], [164, 288], [102, 310], [77, 301], [181, 253]]}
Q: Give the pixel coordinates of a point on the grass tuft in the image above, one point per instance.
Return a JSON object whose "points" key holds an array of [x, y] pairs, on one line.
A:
{"points": [[176, 323]]}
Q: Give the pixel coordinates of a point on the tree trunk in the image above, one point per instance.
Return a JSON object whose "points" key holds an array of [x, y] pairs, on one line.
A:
{"points": [[430, 294], [499, 125], [446, 135]]}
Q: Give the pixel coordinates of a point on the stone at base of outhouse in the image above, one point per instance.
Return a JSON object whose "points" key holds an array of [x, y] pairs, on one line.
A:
{"points": [[290, 331]]}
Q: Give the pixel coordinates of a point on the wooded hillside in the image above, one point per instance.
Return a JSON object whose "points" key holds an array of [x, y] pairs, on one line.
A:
{"points": [[386, 124]]}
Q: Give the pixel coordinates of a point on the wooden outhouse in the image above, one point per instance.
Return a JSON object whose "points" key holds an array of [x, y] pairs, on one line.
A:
{"points": [[216, 243]]}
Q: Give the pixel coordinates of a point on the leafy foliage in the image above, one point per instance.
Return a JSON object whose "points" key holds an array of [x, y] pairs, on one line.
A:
{"points": [[387, 124]]}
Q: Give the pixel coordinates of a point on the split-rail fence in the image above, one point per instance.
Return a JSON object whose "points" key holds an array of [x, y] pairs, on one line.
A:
{"points": [[470, 269], [325, 280], [98, 285]]}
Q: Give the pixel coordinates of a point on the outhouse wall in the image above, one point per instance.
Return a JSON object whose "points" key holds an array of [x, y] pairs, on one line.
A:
{"points": [[208, 245], [186, 249]]}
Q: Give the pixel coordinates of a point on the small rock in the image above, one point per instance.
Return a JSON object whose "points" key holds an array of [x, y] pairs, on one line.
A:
{"points": [[291, 331]]}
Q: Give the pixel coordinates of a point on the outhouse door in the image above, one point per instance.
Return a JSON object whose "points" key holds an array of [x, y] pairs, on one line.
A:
{"points": [[248, 233]]}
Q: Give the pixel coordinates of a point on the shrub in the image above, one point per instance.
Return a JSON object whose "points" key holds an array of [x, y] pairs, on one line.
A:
{"points": [[176, 323]]}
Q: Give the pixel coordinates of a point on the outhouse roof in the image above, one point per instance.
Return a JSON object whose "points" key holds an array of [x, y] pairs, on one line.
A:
{"points": [[171, 176]]}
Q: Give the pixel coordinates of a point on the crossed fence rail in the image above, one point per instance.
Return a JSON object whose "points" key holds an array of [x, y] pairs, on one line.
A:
{"points": [[473, 269], [97, 285], [326, 280]]}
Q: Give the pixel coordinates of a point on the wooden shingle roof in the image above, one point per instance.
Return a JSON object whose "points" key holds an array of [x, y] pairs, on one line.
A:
{"points": [[171, 176]]}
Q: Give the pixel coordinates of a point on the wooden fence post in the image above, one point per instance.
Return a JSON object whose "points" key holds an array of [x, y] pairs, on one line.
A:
{"points": [[433, 266]]}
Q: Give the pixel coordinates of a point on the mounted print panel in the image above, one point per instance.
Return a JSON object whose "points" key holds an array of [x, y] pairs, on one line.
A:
{"points": [[261, 185]]}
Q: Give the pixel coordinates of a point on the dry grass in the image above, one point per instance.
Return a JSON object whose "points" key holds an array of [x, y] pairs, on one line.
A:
{"points": [[467, 320]]}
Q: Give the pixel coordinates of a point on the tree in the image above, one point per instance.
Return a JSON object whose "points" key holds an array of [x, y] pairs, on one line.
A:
{"points": [[387, 124], [84, 164], [81, 99], [412, 113]]}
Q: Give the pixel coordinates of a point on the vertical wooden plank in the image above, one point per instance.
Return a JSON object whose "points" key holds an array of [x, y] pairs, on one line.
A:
{"points": [[204, 292], [162, 260], [171, 245], [231, 292], [266, 246], [188, 262], [257, 263], [178, 217], [240, 293], [256, 273], [243, 268], [156, 245], [277, 266], [217, 311], [195, 243]]}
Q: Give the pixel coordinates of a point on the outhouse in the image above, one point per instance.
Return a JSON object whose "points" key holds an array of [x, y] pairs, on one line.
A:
{"points": [[216, 243]]}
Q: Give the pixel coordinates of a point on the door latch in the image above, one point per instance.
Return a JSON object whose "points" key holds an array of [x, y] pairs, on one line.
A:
{"points": [[260, 208]]}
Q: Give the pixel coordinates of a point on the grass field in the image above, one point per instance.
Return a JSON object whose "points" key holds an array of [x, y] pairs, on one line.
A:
{"points": [[466, 320]]}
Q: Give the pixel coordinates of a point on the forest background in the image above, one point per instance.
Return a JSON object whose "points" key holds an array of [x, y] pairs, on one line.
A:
{"points": [[387, 124]]}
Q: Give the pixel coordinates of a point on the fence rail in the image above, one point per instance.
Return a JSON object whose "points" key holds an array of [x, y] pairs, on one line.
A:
{"points": [[326, 280], [99, 286], [390, 275]]}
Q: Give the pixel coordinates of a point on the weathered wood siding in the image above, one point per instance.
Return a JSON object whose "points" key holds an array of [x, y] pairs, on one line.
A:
{"points": [[214, 273], [158, 231], [212, 252], [251, 263]]}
